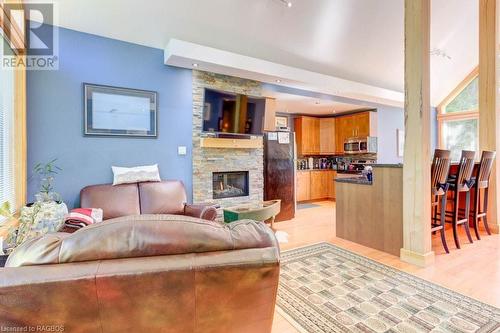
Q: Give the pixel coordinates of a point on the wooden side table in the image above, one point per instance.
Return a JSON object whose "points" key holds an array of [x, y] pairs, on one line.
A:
{"points": [[264, 211]]}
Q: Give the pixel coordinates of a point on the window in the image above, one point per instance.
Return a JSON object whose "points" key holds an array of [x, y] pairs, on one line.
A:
{"points": [[458, 118], [7, 139]]}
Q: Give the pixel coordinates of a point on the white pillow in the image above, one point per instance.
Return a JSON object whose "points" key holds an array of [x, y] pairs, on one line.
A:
{"points": [[146, 173]]}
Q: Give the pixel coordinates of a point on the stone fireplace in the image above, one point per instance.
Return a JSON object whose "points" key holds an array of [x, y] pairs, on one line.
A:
{"points": [[230, 184], [209, 163]]}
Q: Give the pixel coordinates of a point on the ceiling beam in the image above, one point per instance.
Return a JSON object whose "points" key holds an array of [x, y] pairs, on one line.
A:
{"points": [[185, 54]]}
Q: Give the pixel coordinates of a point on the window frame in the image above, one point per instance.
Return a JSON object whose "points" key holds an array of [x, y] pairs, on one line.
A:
{"points": [[443, 117], [16, 36]]}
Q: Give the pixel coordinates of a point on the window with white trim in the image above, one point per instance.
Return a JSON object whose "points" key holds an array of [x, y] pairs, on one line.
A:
{"points": [[7, 139], [458, 118]]}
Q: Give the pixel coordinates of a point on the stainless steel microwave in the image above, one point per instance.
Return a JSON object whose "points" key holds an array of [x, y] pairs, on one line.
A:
{"points": [[366, 145]]}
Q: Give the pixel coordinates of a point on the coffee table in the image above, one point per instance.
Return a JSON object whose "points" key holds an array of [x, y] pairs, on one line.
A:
{"points": [[262, 211]]}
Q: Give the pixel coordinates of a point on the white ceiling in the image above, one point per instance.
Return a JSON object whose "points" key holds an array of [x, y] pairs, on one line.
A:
{"points": [[359, 40], [294, 104]]}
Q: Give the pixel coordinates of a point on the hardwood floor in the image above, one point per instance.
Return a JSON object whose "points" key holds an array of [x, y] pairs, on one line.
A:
{"points": [[473, 271]]}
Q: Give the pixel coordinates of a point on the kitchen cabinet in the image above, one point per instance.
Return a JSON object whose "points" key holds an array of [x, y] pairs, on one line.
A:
{"points": [[315, 136], [315, 185], [357, 125], [327, 136], [331, 184], [303, 185], [307, 135]]}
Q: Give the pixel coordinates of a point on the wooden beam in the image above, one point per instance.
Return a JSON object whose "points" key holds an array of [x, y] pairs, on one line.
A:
{"points": [[489, 104], [417, 247]]}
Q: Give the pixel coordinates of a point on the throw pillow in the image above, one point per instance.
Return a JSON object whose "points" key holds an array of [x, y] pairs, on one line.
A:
{"points": [[146, 173]]}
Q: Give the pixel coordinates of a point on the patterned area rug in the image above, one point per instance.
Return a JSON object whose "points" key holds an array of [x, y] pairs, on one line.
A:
{"points": [[324, 288]]}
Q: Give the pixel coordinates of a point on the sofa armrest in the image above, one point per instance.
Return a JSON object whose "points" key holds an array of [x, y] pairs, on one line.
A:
{"points": [[202, 211]]}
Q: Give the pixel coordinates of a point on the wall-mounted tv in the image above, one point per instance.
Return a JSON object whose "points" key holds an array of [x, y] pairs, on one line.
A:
{"points": [[228, 113]]}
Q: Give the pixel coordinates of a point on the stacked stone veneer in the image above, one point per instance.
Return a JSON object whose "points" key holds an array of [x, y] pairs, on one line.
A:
{"points": [[209, 160]]}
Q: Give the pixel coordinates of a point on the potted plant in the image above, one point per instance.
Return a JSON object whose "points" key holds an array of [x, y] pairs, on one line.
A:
{"points": [[8, 227], [46, 173], [47, 213]]}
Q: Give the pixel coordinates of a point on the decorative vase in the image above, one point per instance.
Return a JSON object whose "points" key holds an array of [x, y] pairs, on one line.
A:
{"points": [[40, 218]]}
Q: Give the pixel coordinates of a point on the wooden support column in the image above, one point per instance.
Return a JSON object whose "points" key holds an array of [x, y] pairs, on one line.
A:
{"points": [[489, 102], [417, 247]]}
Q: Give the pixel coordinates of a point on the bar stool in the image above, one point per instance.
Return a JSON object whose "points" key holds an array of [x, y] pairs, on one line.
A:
{"points": [[439, 189], [460, 183], [482, 183]]}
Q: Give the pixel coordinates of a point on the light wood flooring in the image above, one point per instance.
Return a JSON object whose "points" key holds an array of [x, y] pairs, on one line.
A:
{"points": [[473, 270]]}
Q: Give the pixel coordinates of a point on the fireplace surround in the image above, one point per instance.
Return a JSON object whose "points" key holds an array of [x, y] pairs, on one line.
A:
{"points": [[230, 184]]}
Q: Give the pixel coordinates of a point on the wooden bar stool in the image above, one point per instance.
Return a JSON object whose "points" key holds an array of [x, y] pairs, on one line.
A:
{"points": [[482, 183], [439, 190], [460, 183]]}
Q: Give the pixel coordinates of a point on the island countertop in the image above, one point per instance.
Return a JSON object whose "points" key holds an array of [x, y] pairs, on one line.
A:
{"points": [[372, 215]]}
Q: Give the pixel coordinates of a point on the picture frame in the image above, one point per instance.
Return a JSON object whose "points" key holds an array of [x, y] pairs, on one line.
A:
{"points": [[116, 111], [280, 121]]}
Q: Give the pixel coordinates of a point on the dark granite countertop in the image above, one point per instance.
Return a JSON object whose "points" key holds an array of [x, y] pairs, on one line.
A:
{"points": [[400, 165], [354, 180]]}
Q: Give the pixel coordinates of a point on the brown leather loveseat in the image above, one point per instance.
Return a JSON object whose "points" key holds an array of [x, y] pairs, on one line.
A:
{"points": [[148, 273], [165, 197]]}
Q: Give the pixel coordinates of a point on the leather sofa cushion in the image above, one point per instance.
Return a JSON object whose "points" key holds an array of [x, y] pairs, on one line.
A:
{"points": [[142, 236], [115, 201], [165, 197]]}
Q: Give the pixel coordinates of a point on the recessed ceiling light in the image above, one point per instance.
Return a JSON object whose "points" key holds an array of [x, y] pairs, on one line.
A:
{"points": [[287, 3], [195, 65], [278, 81]]}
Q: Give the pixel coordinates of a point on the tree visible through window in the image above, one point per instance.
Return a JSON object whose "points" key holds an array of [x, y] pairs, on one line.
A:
{"points": [[458, 118]]}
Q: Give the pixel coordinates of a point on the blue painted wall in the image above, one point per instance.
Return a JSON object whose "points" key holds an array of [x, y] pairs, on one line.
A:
{"points": [[55, 113]]}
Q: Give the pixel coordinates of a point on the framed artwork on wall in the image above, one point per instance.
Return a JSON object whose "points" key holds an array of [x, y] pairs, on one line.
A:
{"points": [[400, 142], [281, 121], [114, 111]]}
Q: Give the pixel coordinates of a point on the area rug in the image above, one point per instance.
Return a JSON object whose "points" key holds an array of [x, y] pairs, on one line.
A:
{"points": [[324, 288], [307, 205]]}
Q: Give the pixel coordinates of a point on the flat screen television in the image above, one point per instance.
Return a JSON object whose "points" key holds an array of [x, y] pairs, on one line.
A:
{"points": [[233, 114]]}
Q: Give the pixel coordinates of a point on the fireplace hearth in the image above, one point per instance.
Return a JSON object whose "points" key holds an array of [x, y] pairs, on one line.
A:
{"points": [[230, 184]]}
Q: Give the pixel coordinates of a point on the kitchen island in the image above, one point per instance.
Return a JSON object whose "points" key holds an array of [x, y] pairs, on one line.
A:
{"points": [[370, 213]]}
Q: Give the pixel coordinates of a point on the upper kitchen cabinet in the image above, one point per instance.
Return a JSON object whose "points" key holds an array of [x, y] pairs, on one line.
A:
{"points": [[327, 136], [357, 125], [307, 132]]}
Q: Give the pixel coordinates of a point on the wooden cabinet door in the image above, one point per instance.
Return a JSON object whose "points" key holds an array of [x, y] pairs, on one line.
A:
{"points": [[314, 139], [319, 186], [343, 130], [303, 185], [331, 184], [307, 135], [362, 121], [327, 136]]}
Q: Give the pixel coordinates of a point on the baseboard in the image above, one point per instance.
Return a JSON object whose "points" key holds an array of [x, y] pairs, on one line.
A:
{"points": [[417, 259], [494, 228]]}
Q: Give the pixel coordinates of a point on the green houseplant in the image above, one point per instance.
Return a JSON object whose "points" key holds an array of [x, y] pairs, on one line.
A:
{"points": [[46, 173]]}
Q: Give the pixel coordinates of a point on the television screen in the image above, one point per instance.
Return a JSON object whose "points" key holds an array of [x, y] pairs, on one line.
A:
{"points": [[230, 113]]}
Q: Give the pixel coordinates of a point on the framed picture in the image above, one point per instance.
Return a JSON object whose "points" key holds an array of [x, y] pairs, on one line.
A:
{"points": [[400, 141], [113, 111], [281, 121]]}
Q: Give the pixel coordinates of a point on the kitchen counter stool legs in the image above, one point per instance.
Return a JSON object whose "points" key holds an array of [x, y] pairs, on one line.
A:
{"points": [[482, 185], [439, 190], [461, 183]]}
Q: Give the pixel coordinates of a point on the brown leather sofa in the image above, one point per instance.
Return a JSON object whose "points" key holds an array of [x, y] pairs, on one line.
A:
{"points": [[165, 197], [148, 273]]}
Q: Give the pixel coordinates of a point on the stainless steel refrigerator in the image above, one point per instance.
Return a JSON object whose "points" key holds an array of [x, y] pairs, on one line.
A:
{"points": [[279, 171]]}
